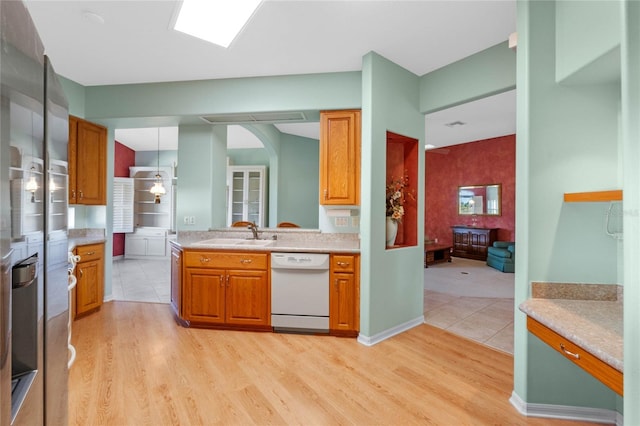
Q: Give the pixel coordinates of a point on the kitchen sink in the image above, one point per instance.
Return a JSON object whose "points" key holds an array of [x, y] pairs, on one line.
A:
{"points": [[232, 242], [219, 242], [255, 243]]}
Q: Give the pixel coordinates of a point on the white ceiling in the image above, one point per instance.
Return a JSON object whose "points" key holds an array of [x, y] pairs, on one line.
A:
{"points": [[135, 44]]}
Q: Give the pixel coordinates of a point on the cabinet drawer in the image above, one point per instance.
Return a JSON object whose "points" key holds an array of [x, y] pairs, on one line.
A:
{"points": [[205, 259], [592, 365], [90, 252], [343, 263]]}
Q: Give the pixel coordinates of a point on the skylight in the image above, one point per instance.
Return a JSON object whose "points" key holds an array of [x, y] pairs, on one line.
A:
{"points": [[215, 21]]}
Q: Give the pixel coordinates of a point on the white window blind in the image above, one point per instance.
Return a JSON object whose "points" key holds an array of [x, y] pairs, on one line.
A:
{"points": [[122, 205]]}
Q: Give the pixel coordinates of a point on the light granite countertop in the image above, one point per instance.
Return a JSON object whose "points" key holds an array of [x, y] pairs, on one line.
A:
{"points": [[289, 240], [589, 315], [84, 236]]}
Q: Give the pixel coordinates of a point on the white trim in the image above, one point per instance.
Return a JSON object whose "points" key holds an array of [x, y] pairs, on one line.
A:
{"points": [[566, 412], [377, 338]]}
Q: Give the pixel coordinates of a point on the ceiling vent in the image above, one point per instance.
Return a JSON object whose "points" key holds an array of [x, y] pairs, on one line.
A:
{"points": [[260, 117]]}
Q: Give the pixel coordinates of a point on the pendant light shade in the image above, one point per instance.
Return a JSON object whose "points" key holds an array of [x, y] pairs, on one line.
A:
{"points": [[158, 189]]}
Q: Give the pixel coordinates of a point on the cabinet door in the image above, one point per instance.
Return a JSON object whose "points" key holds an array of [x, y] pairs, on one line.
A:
{"points": [[343, 303], [88, 287], [176, 281], [340, 157], [72, 152], [156, 246], [135, 246], [248, 298], [246, 194], [204, 294], [91, 164]]}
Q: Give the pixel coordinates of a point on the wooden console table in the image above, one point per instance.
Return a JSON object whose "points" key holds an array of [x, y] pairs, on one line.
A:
{"points": [[472, 242], [436, 253]]}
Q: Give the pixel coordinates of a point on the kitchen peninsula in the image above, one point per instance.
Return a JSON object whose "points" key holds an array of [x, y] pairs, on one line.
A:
{"points": [[223, 279]]}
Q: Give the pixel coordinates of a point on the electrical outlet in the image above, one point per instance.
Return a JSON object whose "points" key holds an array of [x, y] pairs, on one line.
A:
{"points": [[355, 221], [186, 220], [342, 221], [192, 220]]}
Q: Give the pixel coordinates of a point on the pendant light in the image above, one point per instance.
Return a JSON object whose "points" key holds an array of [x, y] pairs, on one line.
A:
{"points": [[158, 188], [32, 184]]}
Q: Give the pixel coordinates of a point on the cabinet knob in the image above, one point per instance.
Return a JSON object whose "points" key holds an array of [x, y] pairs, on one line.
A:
{"points": [[204, 259]]}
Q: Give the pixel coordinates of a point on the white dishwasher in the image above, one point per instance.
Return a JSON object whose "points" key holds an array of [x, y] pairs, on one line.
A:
{"points": [[300, 292]]}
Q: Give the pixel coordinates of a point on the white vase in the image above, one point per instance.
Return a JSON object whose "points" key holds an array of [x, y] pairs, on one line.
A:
{"points": [[392, 231]]}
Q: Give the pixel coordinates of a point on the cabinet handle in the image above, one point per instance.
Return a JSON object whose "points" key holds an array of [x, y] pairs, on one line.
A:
{"points": [[227, 280], [204, 259], [81, 273], [326, 194], [89, 253], [73, 193], [336, 283], [569, 353], [345, 264], [245, 261], [81, 195], [221, 280]]}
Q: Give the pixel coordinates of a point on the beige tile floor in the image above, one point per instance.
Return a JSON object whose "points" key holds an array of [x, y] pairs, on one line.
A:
{"points": [[486, 320], [483, 319], [141, 280]]}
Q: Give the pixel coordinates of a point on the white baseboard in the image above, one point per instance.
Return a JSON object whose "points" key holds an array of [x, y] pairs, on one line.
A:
{"points": [[566, 412], [379, 337]]}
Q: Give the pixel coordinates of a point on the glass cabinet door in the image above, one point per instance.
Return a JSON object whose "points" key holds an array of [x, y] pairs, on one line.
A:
{"points": [[246, 194]]}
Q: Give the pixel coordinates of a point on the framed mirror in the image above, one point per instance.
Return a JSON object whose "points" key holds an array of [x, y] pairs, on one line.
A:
{"points": [[479, 200]]}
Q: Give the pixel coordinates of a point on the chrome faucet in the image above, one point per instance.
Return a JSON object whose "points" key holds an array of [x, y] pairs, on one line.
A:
{"points": [[254, 229]]}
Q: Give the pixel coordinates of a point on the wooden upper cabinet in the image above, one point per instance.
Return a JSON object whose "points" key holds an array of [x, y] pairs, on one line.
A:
{"points": [[87, 162], [340, 157]]}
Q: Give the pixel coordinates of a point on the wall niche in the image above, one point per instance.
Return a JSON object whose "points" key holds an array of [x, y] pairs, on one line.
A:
{"points": [[402, 164]]}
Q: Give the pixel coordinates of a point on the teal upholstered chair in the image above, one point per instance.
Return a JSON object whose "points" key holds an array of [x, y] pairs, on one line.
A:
{"points": [[502, 256]]}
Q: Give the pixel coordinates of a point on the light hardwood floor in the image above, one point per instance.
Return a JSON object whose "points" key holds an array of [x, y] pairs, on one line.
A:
{"points": [[136, 366]]}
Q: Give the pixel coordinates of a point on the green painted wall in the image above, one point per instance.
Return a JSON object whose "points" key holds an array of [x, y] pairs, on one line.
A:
{"points": [[486, 73], [202, 184], [391, 295], [567, 141], [630, 70], [299, 181], [589, 47], [193, 98], [248, 157], [75, 95]]}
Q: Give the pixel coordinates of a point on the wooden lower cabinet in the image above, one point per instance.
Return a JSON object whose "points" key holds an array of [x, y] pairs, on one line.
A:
{"points": [[89, 291], [344, 295], [227, 289], [220, 289]]}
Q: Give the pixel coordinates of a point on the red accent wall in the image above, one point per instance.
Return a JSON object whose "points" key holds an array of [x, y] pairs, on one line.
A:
{"points": [[483, 162], [124, 157]]}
